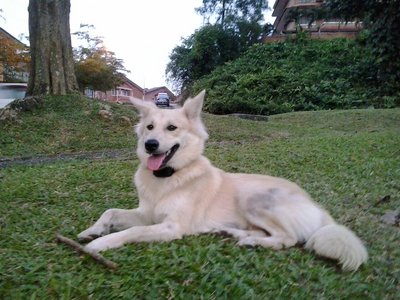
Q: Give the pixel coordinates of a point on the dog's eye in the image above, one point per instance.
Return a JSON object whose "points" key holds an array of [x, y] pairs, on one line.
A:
{"points": [[171, 127], [150, 127]]}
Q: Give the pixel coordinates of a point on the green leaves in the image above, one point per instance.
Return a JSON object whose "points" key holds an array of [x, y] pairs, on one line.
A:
{"points": [[96, 67], [381, 20], [236, 27], [230, 12], [291, 76]]}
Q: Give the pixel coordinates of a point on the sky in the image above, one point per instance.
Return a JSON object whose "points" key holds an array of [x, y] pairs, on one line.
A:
{"points": [[141, 33]]}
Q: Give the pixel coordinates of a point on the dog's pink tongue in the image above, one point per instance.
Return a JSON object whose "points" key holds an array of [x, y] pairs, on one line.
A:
{"points": [[154, 162]]}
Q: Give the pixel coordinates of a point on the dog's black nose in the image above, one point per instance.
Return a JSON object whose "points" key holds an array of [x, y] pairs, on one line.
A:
{"points": [[151, 145]]}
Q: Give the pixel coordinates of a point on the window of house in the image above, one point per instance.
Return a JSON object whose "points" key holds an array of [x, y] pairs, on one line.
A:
{"points": [[89, 93], [124, 92], [120, 92], [304, 21]]}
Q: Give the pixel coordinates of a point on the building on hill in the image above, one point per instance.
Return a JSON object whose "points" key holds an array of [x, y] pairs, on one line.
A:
{"points": [[121, 94], [151, 94], [14, 59], [127, 90], [320, 28]]}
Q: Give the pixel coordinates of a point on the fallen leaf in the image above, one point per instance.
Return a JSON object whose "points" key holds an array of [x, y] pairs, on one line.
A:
{"points": [[385, 199]]}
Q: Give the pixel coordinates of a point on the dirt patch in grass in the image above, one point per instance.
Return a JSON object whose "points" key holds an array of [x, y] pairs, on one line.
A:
{"points": [[122, 154]]}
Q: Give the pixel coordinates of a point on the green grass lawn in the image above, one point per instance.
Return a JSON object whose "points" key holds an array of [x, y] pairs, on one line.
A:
{"points": [[347, 160]]}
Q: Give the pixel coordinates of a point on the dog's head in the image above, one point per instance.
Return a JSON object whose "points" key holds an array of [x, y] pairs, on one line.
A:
{"points": [[170, 137]]}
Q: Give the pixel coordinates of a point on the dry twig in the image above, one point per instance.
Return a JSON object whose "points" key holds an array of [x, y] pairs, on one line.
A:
{"points": [[78, 247]]}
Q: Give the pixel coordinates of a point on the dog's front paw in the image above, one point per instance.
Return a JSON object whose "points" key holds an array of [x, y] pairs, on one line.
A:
{"points": [[89, 234], [97, 246], [94, 248], [85, 238], [249, 242], [103, 243]]}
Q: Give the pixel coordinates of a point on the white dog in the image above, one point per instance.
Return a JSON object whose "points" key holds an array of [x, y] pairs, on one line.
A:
{"points": [[181, 193]]}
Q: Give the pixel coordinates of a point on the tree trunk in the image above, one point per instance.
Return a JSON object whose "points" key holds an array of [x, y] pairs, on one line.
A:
{"points": [[52, 64], [223, 14]]}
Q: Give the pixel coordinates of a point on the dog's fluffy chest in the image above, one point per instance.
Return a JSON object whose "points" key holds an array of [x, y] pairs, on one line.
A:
{"points": [[186, 199], [176, 205]]}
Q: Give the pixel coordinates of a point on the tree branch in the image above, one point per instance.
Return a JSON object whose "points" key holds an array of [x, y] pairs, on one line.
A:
{"points": [[79, 248]]}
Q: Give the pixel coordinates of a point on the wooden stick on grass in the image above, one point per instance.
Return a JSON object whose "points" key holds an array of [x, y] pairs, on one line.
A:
{"points": [[78, 247]]}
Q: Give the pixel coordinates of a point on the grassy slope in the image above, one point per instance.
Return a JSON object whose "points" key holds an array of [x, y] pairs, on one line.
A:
{"points": [[347, 160], [67, 124]]}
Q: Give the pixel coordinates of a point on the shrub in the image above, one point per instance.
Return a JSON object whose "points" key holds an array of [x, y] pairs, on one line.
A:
{"points": [[297, 75]]}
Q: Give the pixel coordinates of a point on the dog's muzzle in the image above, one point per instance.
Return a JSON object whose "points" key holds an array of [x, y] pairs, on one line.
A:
{"points": [[157, 159], [151, 145]]}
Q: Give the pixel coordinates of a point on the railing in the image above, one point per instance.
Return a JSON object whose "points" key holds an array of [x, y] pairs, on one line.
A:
{"points": [[304, 3]]}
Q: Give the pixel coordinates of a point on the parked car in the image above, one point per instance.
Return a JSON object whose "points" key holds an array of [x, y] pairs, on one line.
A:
{"points": [[162, 99], [11, 91]]}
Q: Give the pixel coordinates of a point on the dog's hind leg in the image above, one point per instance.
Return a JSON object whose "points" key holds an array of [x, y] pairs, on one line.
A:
{"points": [[274, 242], [288, 215], [262, 211], [240, 233], [278, 237], [113, 220]]}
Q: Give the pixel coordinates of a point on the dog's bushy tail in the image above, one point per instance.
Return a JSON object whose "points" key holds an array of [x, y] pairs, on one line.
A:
{"points": [[340, 243]]}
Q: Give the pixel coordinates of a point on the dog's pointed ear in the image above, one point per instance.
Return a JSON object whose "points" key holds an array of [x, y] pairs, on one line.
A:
{"points": [[142, 106], [193, 106]]}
